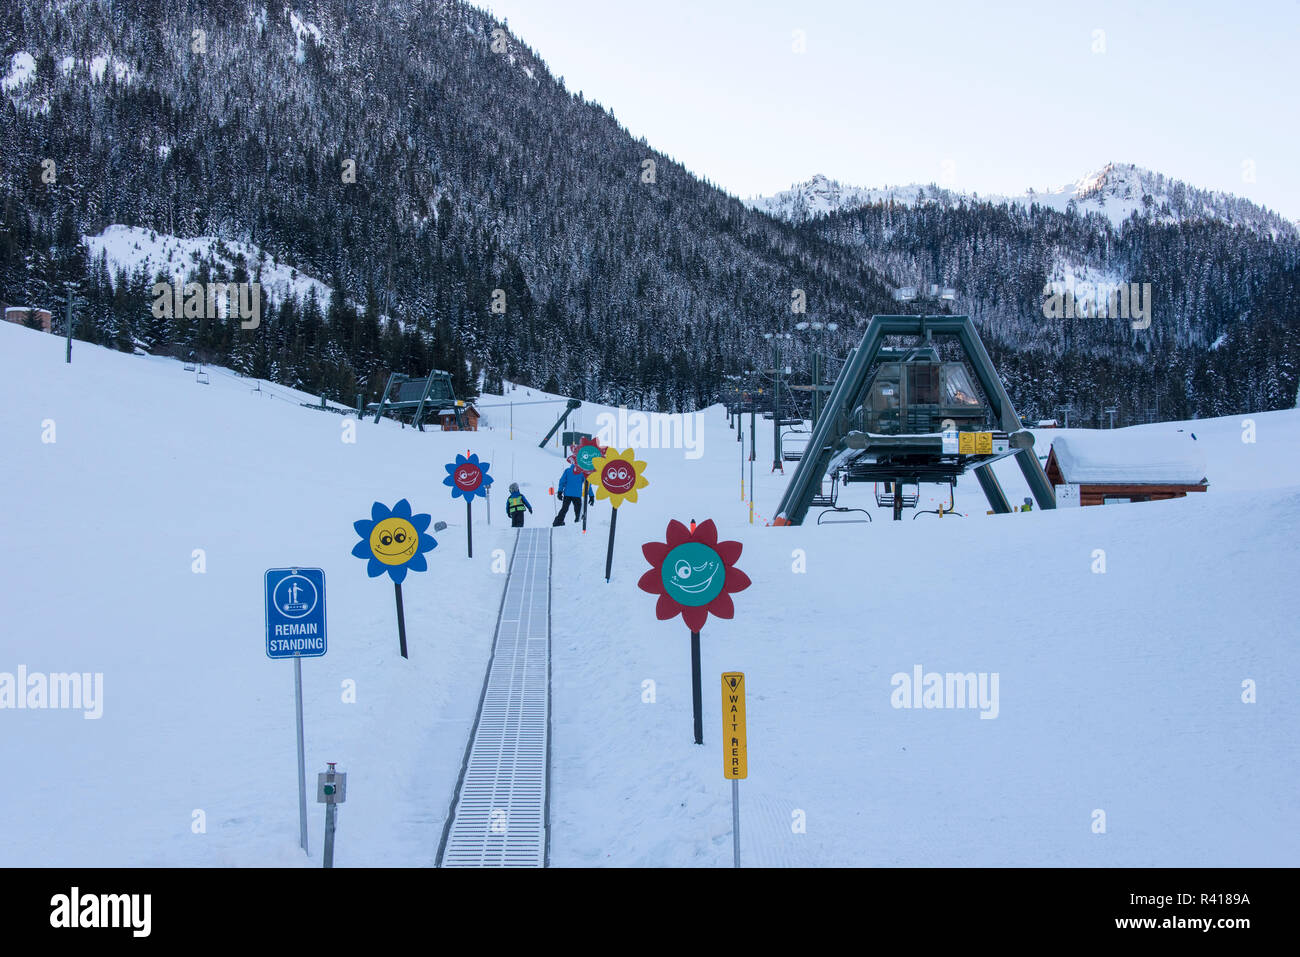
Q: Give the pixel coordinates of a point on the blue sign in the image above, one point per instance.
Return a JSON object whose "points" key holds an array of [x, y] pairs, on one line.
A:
{"points": [[295, 613]]}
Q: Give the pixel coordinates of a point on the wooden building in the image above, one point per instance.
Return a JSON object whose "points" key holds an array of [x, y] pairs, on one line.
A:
{"points": [[469, 415], [22, 315], [1112, 467]]}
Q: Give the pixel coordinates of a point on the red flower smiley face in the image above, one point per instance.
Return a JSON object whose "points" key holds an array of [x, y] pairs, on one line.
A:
{"points": [[467, 476], [693, 574], [618, 477]]}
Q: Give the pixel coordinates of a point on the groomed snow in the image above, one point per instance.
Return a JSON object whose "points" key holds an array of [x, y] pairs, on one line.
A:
{"points": [[1120, 690]]}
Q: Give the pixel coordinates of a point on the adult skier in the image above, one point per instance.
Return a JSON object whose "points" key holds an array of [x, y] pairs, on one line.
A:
{"points": [[569, 488]]}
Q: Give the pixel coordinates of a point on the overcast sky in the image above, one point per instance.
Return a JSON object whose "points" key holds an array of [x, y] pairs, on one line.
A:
{"points": [[991, 98]]}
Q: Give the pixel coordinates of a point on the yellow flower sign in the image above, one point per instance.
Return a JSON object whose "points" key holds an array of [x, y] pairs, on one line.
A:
{"points": [[617, 476]]}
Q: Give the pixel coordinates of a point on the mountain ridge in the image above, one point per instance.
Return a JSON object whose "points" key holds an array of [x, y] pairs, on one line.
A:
{"points": [[1116, 190]]}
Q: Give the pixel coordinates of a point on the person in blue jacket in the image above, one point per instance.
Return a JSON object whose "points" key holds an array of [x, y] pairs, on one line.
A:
{"points": [[569, 488], [515, 505]]}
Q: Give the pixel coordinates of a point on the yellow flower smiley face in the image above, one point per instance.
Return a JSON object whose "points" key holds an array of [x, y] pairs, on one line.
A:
{"points": [[617, 476], [393, 541]]}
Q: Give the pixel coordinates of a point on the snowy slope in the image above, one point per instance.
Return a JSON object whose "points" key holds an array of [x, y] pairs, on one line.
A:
{"points": [[148, 466], [131, 247], [1118, 691]]}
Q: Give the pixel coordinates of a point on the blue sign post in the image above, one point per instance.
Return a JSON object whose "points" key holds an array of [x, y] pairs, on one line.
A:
{"points": [[295, 613], [295, 628]]}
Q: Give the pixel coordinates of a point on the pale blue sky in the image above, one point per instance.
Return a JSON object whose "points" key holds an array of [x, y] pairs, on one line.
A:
{"points": [[1009, 95]]}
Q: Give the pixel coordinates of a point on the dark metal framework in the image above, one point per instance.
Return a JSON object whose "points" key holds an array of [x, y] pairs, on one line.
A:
{"points": [[422, 396], [569, 406], [842, 447]]}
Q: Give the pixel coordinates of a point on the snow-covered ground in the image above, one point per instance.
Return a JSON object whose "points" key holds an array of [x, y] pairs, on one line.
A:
{"points": [[1118, 691], [131, 247], [22, 67]]}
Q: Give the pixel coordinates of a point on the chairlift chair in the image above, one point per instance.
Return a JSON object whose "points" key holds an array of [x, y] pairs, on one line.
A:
{"points": [[189, 362], [827, 499], [200, 376], [941, 511], [794, 442], [896, 494]]}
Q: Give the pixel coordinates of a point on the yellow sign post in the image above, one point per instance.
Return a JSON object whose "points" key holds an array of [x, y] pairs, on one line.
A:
{"points": [[735, 750], [735, 764]]}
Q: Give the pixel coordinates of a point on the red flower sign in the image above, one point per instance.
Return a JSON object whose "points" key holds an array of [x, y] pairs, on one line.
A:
{"points": [[584, 455], [693, 574]]}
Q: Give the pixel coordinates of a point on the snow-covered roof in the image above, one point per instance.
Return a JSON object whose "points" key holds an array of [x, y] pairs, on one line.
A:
{"points": [[1124, 458]]}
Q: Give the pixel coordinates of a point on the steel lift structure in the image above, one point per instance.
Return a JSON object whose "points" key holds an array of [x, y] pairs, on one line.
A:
{"points": [[903, 416], [419, 396]]}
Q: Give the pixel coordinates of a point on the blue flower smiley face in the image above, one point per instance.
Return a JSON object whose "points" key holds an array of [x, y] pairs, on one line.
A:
{"points": [[468, 477], [393, 540]]}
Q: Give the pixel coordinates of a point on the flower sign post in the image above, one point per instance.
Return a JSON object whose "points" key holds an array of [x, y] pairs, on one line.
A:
{"points": [[583, 459], [617, 476], [394, 541], [468, 477], [694, 576]]}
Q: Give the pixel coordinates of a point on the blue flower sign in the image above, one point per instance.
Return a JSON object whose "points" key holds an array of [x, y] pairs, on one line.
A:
{"points": [[394, 541], [468, 477]]}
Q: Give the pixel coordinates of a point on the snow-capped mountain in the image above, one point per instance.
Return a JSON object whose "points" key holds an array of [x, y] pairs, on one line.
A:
{"points": [[1115, 191]]}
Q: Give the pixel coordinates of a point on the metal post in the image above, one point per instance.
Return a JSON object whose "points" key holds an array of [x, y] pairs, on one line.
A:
{"points": [[742, 465], [817, 387], [776, 405], [69, 358], [735, 820], [469, 526], [609, 551], [302, 763], [753, 416], [330, 810], [751, 485], [401, 619], [696, 696]]}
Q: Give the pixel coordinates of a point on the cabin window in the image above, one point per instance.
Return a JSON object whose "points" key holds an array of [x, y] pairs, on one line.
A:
{"points": [[922, 383], [957, 387]]}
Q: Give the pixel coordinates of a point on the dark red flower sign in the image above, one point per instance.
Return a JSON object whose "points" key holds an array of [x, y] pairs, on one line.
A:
{"points": [[584, 455], [693, 574]]}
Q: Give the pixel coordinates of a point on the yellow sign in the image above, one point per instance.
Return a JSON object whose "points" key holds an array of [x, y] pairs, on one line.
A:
{"points": [[735, 757], [975, 443]]}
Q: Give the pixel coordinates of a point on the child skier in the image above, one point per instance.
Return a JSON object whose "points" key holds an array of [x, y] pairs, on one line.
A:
{"points": [[515, 505]]}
